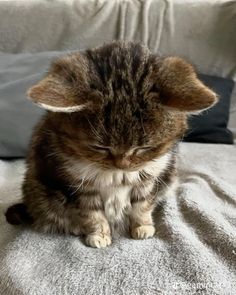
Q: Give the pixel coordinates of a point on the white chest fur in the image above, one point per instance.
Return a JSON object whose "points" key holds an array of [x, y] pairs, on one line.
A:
{"points": [[116, 201], [115, 195]]}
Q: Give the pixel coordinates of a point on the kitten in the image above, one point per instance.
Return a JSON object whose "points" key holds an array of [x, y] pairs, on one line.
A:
{"points": [[105, 148]]}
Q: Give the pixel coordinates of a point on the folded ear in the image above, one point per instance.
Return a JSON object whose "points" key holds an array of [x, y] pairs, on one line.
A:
{"points": [[64, 89], [180, 88]]}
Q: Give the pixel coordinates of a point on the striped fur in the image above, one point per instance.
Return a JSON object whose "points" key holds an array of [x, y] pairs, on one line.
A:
{"points": [[105, 150]]}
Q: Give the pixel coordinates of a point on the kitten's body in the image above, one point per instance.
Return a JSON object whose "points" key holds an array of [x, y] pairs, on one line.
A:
{"points": [[75, 185], [106, 153]]}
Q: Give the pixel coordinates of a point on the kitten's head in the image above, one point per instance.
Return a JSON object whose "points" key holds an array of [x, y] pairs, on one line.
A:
{"points": [[119, 105]]}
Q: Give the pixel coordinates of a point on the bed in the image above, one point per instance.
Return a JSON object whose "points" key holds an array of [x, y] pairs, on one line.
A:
{"points": [[194, 248]]}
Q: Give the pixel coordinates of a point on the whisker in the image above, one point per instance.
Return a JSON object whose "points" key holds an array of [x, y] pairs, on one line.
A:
{"points": [[163, 182], [95, 132]]}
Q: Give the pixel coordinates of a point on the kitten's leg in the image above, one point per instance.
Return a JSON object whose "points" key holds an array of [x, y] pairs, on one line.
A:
{"points": [[52, 214], [143, 203], [95, 227], [141, 223], [143, 199], [89, 218]]}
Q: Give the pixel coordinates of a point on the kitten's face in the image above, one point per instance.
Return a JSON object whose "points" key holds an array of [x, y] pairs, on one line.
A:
{"points": [[115, 139], [119, 105]]}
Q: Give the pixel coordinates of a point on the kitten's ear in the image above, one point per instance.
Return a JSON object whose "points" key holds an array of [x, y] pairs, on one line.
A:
{"points": [[57, 92], [180, 88], [51, 95]]}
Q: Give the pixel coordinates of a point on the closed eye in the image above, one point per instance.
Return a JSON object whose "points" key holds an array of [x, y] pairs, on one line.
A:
{"points": [[100, 149], [143, 149]]}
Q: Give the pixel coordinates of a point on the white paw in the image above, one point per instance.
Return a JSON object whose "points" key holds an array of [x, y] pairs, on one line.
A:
{"points": [[98, 241], [143, 232]]}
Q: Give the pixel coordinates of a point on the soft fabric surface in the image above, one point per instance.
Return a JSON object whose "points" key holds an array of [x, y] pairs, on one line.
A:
{"points": [[193, 252], [18, 115], [203, 31]]}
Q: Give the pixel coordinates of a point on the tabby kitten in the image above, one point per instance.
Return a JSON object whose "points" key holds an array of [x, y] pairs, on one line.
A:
{"points": [[103, 152]]}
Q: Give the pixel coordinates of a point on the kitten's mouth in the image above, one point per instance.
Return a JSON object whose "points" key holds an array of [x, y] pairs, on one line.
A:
{"points": [[128, 169]]}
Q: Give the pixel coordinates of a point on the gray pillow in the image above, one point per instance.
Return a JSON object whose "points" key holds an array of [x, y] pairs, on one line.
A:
{"points": [[18, 115]]}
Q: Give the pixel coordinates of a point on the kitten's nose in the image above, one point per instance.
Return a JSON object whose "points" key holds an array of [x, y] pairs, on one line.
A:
{"points": [[122, 163]]}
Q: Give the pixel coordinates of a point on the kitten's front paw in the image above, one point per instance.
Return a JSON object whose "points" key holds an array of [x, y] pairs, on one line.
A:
{"points": [[143, 232], [98, 240]]}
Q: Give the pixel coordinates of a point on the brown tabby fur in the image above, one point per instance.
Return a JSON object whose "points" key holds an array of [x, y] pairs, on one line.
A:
{"points": [[106, 148]]}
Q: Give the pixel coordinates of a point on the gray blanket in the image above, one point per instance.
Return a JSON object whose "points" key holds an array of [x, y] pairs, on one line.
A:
{"points": [[193, 252]]}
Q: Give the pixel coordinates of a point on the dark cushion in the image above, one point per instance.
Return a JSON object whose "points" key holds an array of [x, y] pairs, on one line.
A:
{"points": [[18, 115], [211, 125]]}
